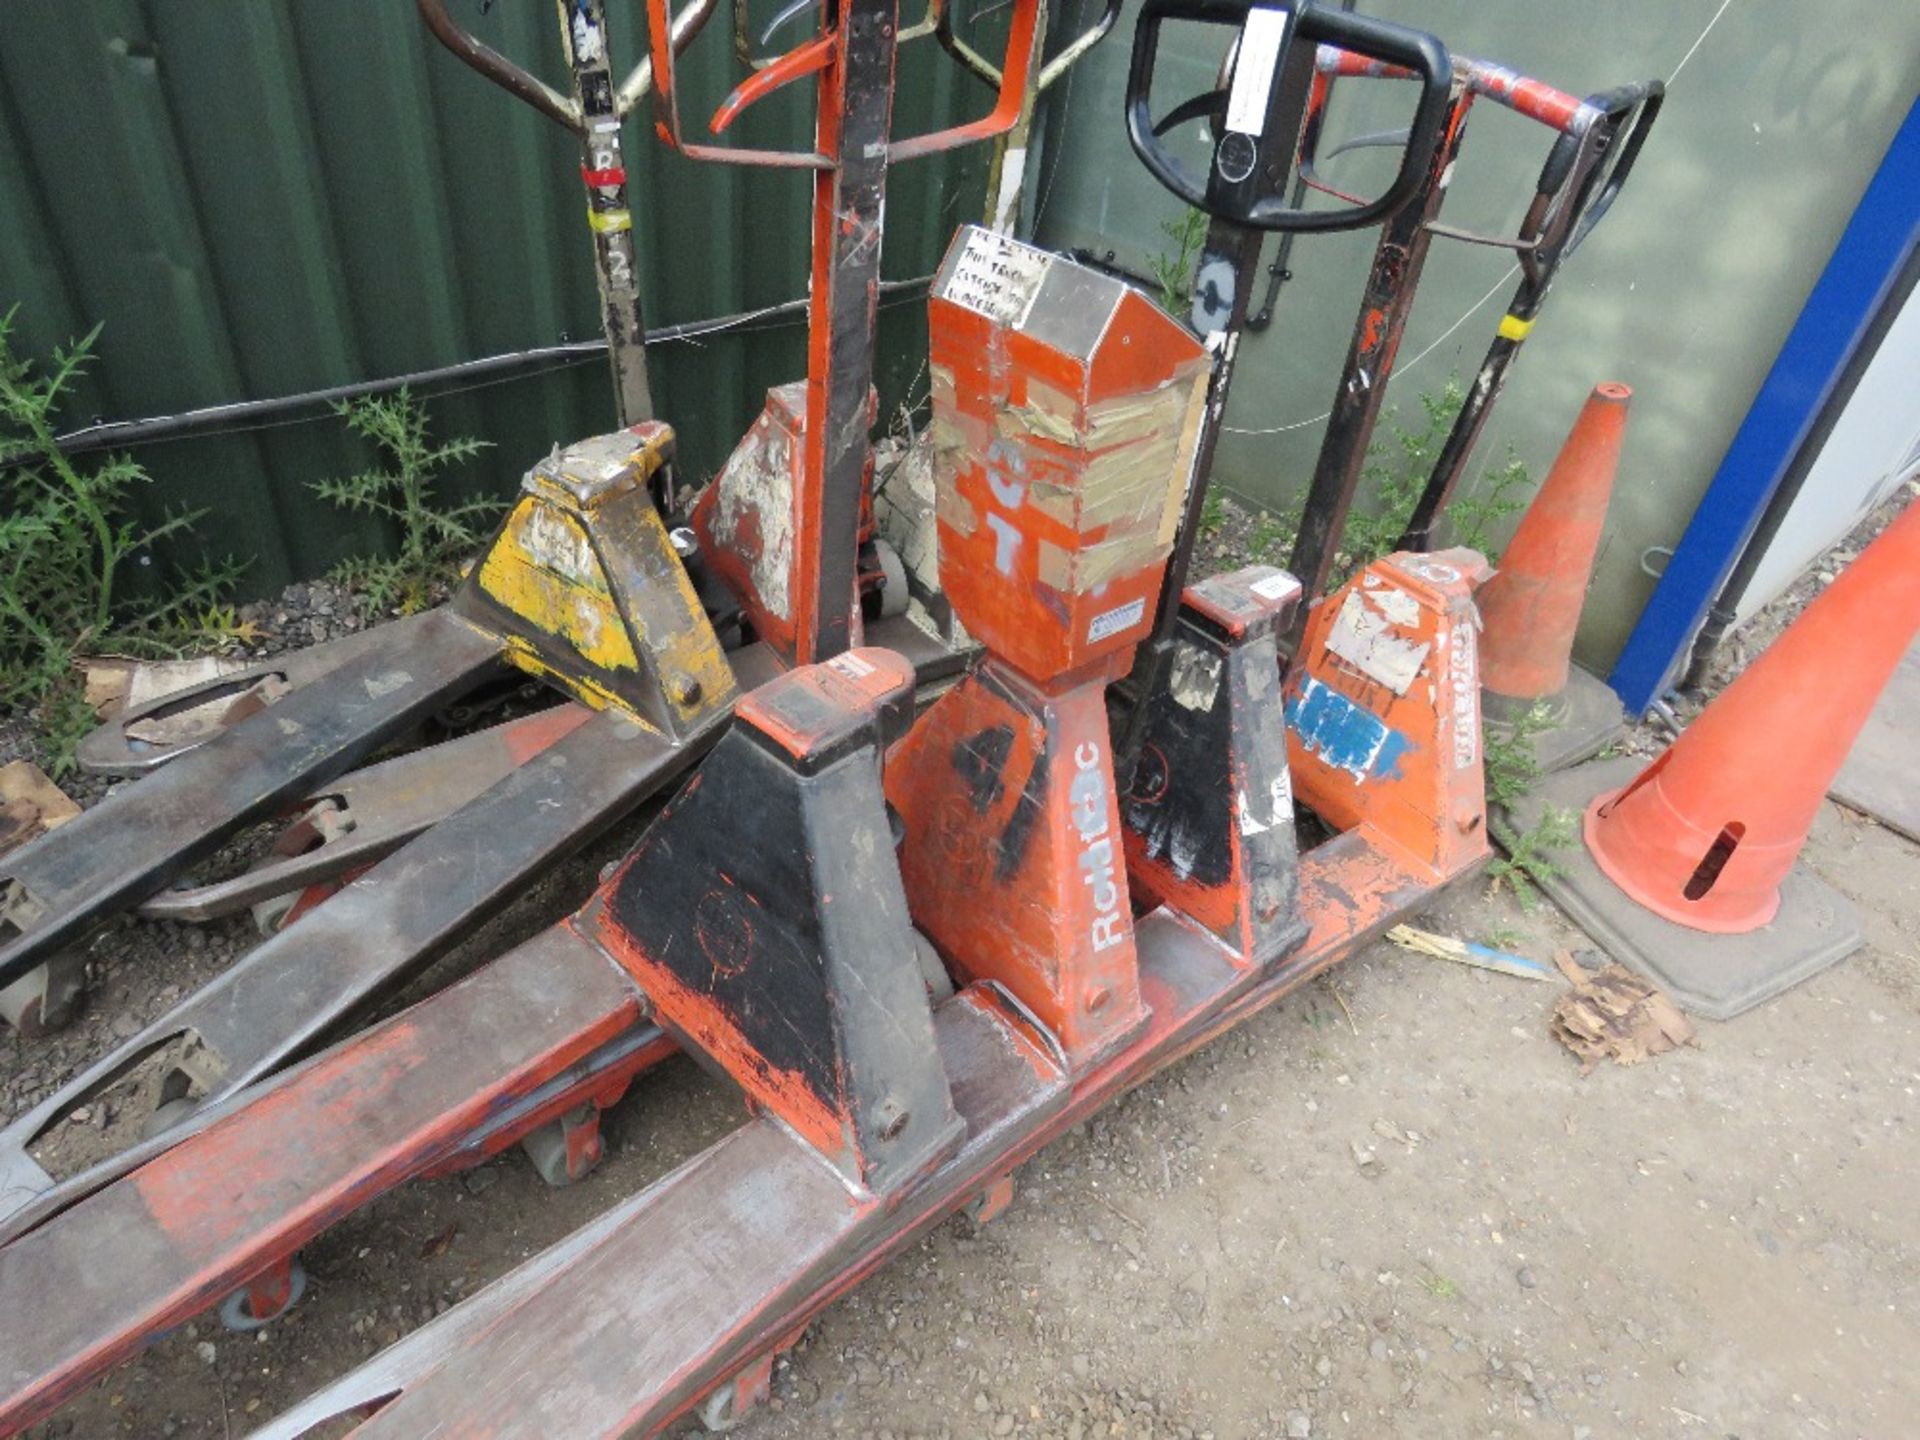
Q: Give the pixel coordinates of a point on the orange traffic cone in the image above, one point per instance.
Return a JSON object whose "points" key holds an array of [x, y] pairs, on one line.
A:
{"points": [[1700, 845], [1531, 608], [1708, 831]]}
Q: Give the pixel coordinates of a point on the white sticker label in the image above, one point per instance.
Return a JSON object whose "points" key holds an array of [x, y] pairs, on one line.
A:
{"points": [[997, 277], [1464, 655], [1115, 620], [1102, 870], [1253, 69], [1274, 586], [850, 665], [1366, 640]]}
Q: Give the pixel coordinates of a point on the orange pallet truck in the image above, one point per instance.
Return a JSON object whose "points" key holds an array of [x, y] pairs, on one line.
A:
{"points": [[1113, 919]]}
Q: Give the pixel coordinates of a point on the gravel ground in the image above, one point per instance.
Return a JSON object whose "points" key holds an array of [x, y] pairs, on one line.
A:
{"points": [[1389, 1206]]}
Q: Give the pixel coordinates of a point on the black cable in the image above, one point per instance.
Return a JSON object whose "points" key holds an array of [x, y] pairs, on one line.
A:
{"points": [[254, 414]]}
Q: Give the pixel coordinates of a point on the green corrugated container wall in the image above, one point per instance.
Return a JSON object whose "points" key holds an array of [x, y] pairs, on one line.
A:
{"points": [[264, 197]]}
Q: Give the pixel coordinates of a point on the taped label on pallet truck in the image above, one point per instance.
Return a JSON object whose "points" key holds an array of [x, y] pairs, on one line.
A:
{"points": [[1253, 69], [1364, 636], [1112, 622], [1465, 651], [997, 277]]}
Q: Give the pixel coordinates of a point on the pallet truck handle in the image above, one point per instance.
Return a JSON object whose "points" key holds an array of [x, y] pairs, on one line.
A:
{"points": [[1627, 111], [808, 58], [1232, 193], [743, 51], [563, 110], [1600, 151], [1593, 126], [1051, 70]]}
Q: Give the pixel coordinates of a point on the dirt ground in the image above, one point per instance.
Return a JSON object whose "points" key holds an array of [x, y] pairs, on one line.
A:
{"points": [[1389, 1206]]}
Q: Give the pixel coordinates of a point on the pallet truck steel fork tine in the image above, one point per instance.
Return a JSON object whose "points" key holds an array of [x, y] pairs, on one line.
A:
{"points": [[56, 890], [581, 586]]}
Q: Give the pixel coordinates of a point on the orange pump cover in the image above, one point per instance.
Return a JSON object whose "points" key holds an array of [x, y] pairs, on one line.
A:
{"points": [[1066, 406]]}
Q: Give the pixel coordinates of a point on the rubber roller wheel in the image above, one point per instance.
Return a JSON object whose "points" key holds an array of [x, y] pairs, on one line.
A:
{"points": [[718, 1414], [234, 1311], [547, 1149], [893, 591], [48, 998]]}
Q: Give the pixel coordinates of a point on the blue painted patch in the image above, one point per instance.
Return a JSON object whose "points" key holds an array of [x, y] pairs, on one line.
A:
{"points": [[1343, 734]]}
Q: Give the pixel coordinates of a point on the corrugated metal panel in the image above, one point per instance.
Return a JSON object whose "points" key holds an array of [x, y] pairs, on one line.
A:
{"points": [[1768, 138], [275, 196]]}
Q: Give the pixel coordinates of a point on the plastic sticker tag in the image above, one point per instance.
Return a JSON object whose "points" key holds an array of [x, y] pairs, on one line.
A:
{"points": [[1253, 69], [1115, 620], [997, 277], [850, 665]]}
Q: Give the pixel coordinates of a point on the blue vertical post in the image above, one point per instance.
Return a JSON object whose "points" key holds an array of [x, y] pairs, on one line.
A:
{"points": [[1865, 265]]}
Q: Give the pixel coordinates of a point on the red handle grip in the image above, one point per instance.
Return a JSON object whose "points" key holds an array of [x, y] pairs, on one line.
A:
{"points": [[812, 57], [1535, 99]]}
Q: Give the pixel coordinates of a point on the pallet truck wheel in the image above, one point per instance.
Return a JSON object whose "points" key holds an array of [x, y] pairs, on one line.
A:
{"points": [[46, 999], [990, 1204], [893, 592], [717, 1415], [566, 1150], [270, 914], [932, 969], [725, 1407], [236, 1311]]}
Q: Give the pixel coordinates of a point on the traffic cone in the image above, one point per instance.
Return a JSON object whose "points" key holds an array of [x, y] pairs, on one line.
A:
{"points": [[1688, 868], [1531, 608]]}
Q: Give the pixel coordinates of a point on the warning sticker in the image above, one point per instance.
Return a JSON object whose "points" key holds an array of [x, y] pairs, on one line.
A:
{"points": [[997, 277], [1115, 620], [1365, 638]]}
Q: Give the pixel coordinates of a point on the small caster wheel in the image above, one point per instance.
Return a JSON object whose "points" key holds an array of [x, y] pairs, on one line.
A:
{"points": [[717, 1412], [933, 969], [990, 1204], [47, 999], [270, 915], [276, 912], [727, 1406], [893, 589], [265, 1299], [566, 1150]]}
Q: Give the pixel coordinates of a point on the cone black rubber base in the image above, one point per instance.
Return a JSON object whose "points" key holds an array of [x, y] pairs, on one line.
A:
{"points": [[1587, 717], [1714, 976]]}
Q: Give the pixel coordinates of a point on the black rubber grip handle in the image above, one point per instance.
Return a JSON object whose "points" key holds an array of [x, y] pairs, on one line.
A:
{"points": [[1629, 113], [1379, 40]]}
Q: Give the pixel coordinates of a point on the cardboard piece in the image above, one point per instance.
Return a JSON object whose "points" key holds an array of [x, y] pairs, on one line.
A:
{"points": [[1615, 1015]]}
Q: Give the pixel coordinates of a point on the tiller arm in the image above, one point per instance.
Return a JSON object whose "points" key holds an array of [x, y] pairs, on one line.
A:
{"points": [[593, 114], [1007, 174], [1583, 175], [786, 521], [1264, 127]]}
